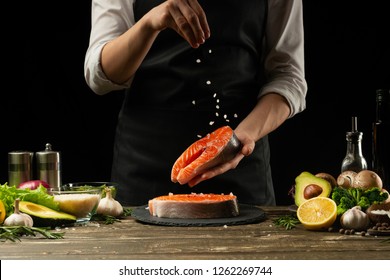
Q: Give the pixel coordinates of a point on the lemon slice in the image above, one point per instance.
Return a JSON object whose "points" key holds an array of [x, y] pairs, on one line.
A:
{"points": [[317, 213], [2, 212]]}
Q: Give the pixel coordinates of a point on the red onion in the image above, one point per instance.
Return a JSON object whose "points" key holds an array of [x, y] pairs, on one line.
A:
{"points": [[33, 184]]}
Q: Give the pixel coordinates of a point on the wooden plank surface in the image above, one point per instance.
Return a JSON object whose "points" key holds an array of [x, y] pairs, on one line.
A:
{"points": [[130, 239]]}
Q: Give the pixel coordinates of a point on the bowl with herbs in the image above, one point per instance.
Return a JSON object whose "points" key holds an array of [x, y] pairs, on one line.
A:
{"points": [[101, 185]]}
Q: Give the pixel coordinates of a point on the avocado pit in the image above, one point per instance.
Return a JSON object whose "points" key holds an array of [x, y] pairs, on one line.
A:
{"points": [[308, 186], [311, 191]]}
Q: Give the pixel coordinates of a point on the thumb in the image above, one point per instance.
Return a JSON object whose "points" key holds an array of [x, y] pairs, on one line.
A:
{"points": [[247, 149]]}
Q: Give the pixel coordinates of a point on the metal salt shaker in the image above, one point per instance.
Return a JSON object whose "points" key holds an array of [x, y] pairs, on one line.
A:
{"points": [[19, 167], [49, 167]]}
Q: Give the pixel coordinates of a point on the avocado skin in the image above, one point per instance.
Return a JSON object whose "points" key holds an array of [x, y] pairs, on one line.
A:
{"points": [[305, 179], [45, 217], [52, 223]]}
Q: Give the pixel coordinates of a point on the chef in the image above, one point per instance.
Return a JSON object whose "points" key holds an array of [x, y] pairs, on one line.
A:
{"points": [[188, 67]]}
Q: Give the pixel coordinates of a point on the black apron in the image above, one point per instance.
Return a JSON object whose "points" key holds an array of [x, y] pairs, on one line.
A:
{"points": [[180, 94]]}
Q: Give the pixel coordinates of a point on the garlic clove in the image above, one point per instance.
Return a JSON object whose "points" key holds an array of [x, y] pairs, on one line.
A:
{"points": [[17, 218], [355, 218], [109, 206]]}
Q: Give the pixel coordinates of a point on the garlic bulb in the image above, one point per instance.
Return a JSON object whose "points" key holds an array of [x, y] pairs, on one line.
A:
{"points": [[355, 218], [109, 206], [17, 218]]}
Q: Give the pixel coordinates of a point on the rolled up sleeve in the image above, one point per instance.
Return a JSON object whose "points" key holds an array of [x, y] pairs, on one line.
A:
{"points": [[109, 19], [284, 60]]}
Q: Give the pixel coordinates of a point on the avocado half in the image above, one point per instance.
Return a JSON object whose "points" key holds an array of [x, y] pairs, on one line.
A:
{"points": [[308, 186], [45, 217]]}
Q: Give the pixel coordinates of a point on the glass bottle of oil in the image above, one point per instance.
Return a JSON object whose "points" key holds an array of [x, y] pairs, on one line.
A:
{"points": [[354, 159]]}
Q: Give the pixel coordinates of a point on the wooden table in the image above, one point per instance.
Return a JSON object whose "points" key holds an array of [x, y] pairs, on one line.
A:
{"points": [[130, 239]]}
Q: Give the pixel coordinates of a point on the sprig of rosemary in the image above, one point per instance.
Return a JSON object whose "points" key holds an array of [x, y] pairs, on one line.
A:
{"points": [[107, 219], [287, 221], [14, 233], [127, 211]]}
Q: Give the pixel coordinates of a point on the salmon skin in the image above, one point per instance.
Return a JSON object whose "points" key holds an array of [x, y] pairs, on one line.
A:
{"points": [[194, 206], [215, 148]]}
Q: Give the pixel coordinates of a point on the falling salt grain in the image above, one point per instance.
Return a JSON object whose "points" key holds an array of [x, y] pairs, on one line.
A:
{"points": [[211, 123], [235, 115], [198, 60], [199, 136], [217, 100], [225, 226], [225, 116], [217, 106], [208, 82], [215, 95], [193, 102], [216, 113], [210, 51]]}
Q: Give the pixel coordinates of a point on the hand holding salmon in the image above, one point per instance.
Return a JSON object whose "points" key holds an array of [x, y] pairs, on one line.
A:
{"points": [[216, 148]]}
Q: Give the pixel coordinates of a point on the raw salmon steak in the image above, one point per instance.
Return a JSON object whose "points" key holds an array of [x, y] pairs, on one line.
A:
{"points": [[215, 148], [194, 206]]}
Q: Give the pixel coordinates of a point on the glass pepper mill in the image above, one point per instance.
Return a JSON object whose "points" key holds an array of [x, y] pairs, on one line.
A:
{"points": [[354, 159]]}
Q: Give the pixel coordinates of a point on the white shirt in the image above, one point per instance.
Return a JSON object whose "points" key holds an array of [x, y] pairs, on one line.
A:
{"points": [[284, 48]]}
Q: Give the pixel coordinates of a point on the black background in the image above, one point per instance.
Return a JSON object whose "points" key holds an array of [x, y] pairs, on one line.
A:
{"points": [[44, 98]]}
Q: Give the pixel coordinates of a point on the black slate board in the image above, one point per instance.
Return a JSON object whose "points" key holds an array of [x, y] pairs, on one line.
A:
{"points": [[248, 215]]}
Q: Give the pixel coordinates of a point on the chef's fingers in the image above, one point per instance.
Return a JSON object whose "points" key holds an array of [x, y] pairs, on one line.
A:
{"points": [[201, 16], [218, 170], [188, 20]]}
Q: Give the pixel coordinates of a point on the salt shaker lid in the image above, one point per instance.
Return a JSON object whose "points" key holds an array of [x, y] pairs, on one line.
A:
{"points": [[48, 149], [47, 153]]}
